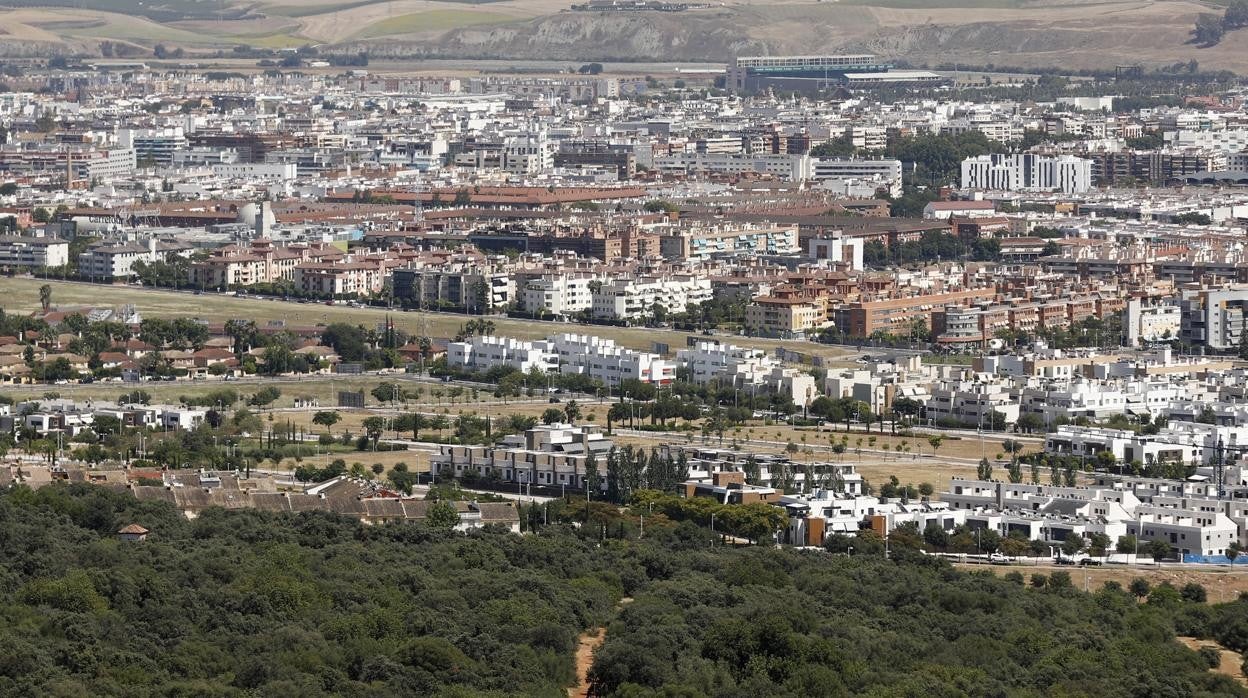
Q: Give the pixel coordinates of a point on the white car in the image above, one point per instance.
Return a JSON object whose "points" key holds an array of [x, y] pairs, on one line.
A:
{"points": [[998, 559]]}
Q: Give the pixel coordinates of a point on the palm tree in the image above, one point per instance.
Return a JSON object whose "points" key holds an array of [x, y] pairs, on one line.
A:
{"points": [[45, 297]]}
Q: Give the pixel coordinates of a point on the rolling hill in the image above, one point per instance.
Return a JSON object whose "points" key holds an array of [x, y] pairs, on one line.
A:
{"points": [[1023, 33]]}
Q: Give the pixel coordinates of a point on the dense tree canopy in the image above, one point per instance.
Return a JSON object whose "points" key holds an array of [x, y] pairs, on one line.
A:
{"points": [[250, 603]]}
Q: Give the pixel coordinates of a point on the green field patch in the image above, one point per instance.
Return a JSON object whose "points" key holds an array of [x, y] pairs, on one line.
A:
{"points": [[317, 9], [432, 20]]}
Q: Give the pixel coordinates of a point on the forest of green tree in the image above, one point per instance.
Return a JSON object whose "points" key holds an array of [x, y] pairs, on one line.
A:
{"points": [[248, 603]]}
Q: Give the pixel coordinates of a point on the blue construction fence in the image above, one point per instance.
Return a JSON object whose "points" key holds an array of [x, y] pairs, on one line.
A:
{"points": [[1241, 560]]}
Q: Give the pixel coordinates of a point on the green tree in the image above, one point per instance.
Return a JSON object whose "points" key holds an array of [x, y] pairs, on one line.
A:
{"points": [[264, 397], [442, 515], [552, 415], [45, 295], [327, 419], [1209, 30]]}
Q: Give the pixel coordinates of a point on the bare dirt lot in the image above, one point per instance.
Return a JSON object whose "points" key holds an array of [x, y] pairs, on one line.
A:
{"points": [[1221, 583], [1232, 662]]}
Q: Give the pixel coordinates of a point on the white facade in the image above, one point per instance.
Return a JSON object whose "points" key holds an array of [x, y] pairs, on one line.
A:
{"points": [[727, 363], [481, 353], [1153, 323], [108, 164], [268, 171], [789, 167], [971, 405], [567, 354], [841, 250], [32, 253], [839, 169], [155, 144], [630, 299], [603, 360], [1027, 172], [561, 295], [117, 261], [1180, 442]]}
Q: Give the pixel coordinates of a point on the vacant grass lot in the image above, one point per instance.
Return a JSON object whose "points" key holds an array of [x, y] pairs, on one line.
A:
{"points": [[22, 295]]}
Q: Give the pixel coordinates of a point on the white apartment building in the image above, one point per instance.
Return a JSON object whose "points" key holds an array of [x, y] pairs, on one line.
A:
{"points": [[567, 354], [837, 249], [19, 252], [745, 368], [1191, 531], [265, 171], [1234, 140], [841, 172], [727, 363], [554, 455], [840, 168], [604, 360], [482, 353], [1099, 399], [561, 295], [971, 405], [116, 261], [634, 298], [1154, 323], [528, 155], [1179, 442], [1027, 172], [793, 168], [104, 165], [155, 144]]}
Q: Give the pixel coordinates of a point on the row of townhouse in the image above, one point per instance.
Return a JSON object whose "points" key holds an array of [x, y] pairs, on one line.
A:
{"points": [[489, 288], [1178, 442], [261, 262], [550, 455], [966, 326], [632, 298], [71, 419], [1200, 527], [567, 354], [770, 470], [745, 369]]}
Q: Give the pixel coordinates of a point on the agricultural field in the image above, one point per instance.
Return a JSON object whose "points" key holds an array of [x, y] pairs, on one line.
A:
{"points": [[431, 21]]}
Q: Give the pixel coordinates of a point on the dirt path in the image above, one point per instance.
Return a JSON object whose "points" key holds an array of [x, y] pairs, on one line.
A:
{"points": [[1232, 662], [587, 643]]}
